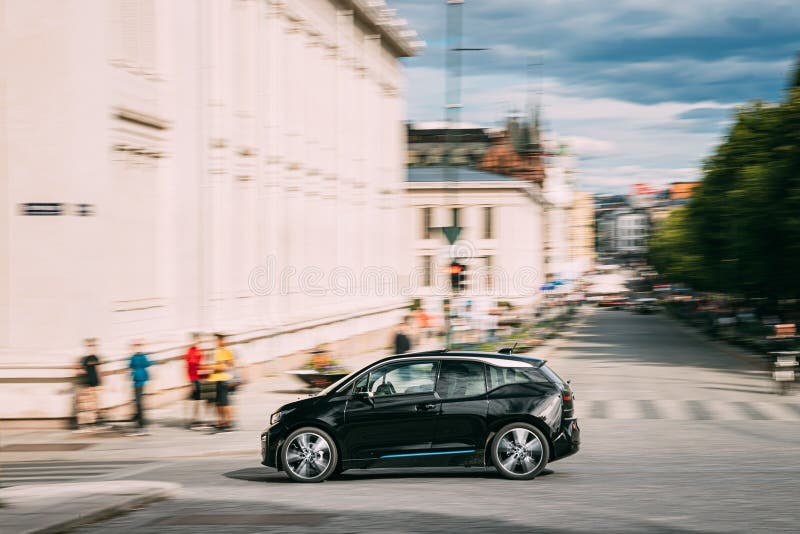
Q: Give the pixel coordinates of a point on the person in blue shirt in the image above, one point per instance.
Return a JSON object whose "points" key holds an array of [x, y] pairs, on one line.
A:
{"points": [[138, 364]]}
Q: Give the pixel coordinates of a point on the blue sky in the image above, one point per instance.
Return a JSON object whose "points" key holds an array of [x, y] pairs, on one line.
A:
{"points": [[641, 89]]}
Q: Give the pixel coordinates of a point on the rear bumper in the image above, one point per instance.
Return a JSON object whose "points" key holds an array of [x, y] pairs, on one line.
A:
{"points": [[568, 442]]}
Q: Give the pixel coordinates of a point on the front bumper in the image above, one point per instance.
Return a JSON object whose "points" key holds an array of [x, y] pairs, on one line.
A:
{"points": [[568, 442], [271, 440]]}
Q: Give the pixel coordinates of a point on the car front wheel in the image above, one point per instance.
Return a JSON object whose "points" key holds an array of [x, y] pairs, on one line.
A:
{"points": [[309, 455], [520, 451]]}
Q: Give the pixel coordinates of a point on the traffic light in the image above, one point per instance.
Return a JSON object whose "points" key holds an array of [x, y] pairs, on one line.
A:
{"points": [[458, 276], [455, 276]]}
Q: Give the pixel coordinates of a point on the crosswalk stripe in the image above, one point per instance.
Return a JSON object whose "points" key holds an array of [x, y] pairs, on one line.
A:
{"points": [[776, 411], [626, 409], [674, 410], [41, 472], [598, 410], [698, 410], [649, 410], [792, 408], [750, 411], [687, 410], [722, 410]]}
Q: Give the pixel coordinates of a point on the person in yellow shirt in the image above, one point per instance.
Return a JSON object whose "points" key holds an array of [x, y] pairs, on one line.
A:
{"points": [[221, 374]]}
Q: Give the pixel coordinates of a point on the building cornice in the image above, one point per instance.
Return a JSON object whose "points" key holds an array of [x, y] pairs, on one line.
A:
{"points": [[381, 20]]}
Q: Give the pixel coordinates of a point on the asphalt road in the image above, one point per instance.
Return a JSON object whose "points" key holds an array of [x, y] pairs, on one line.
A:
{"points": [[677, 436]]}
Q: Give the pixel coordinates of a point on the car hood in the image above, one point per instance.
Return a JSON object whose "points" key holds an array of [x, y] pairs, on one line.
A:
{"points": [[300, 403]]}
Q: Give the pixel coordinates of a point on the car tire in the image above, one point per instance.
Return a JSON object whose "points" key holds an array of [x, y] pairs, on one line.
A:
{"points": [[520, 451], [309, 455]]}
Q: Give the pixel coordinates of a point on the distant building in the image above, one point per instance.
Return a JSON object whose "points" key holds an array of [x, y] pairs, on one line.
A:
{"points": [[623, 231], [500, 242], [433, 144], [581, 232], [632, 230], [517, 152], [682, 190], [604, 206]]}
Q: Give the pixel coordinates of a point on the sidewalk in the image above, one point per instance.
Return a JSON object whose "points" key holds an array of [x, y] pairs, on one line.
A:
{"points": [[60, 507]]}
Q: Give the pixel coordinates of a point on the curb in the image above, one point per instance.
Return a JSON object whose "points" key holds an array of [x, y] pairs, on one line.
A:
{"points": [[114, 505]]}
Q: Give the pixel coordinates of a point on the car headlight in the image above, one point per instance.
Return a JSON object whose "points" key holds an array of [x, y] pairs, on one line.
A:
{"points": [[274, 418]]}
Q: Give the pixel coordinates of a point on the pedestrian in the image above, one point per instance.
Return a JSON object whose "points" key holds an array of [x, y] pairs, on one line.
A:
{"points": [[221, 375], [402, 341], [88, 394], [194, 359], [423, 323], [138, 364]]}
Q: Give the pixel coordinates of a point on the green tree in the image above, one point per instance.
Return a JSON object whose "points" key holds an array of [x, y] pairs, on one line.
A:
{"points": [[741, 231]]}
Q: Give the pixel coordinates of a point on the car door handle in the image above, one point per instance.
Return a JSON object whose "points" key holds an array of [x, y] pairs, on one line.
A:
{"points": [[425, 407]]}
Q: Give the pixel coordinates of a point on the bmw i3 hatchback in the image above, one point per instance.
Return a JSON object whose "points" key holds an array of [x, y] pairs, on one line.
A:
{"points": [[425, 410]]}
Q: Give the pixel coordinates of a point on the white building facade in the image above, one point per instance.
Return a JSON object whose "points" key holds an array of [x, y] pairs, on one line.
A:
{"points": [[631, 231], [501, 242], [624, 231], [176, 166]]}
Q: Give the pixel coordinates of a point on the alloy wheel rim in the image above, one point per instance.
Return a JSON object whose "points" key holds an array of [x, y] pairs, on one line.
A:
{"points": [[308, 455], [519, 451]]}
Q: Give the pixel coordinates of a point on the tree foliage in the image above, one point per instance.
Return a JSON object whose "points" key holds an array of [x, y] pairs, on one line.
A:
{"points": [[740, 233]]}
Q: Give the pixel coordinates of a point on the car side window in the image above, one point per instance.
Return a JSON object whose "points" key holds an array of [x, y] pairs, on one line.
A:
{"points": [[504, 376], [459, 379], [401, 378]]}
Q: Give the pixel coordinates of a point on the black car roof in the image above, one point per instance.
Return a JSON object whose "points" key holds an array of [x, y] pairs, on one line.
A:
{"points": [[537, 362]]}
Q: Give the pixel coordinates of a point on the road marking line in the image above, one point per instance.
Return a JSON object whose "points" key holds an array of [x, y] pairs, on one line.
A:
{"points": [[721, 410], [776, 411], [794, 409], [649, 410], [698, 410], [599, 410], [750, 412], [674, 410]]}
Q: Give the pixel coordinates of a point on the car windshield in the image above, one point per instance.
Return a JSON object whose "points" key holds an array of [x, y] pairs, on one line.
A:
{"points": [[335, 385]]}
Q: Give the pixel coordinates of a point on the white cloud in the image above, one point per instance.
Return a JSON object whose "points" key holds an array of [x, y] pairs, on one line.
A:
{"points": [[587, 146]]}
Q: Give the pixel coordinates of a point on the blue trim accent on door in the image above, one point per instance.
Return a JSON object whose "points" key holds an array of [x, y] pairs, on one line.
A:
{"points": [[425, 454]]}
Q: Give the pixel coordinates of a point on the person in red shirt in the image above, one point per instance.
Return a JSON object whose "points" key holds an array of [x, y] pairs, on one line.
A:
{"points": [[194, 360]]}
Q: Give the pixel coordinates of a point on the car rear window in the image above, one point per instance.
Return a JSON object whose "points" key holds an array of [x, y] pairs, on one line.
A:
{"points": [[549, 373]]}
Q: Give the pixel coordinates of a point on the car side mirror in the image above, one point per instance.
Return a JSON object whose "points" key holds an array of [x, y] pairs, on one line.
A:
{"points": [[365, 396]]}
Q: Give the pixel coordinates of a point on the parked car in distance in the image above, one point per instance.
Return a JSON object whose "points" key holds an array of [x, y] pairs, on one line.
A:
{"points": [[615, 302], [645, 305], [429, 409]]}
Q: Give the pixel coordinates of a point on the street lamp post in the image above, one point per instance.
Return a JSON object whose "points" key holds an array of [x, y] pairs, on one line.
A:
{"points": [[452, 108]]}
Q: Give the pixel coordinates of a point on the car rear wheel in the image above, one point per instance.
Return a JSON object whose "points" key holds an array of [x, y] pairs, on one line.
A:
{"points": [[309, 455], [520, 451]]}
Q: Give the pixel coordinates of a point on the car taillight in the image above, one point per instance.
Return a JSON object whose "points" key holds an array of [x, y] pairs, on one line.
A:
{"points": [[567, 397]]}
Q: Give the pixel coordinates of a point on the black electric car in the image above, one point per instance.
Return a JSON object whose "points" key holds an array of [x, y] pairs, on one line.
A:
{"points": [[429, 409]]}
